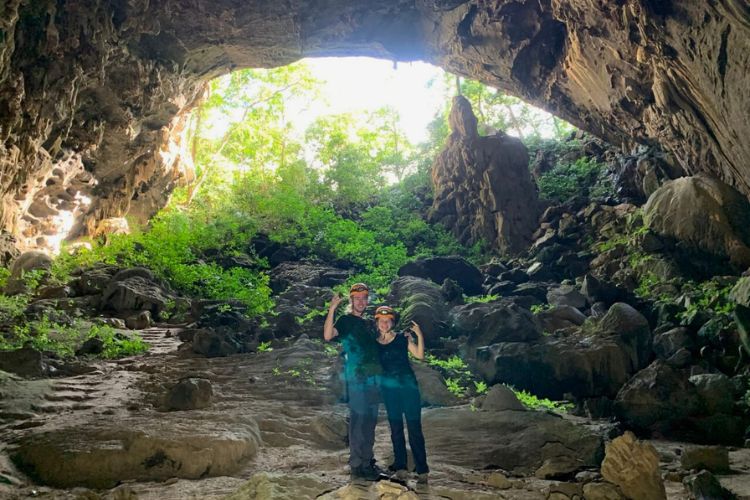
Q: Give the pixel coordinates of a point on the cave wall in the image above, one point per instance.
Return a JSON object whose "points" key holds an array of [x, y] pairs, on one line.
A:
{"points": [[95, 94]]}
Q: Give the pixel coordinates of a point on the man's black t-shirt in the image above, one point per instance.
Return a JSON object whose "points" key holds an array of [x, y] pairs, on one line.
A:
{"points": [[357, 335]]}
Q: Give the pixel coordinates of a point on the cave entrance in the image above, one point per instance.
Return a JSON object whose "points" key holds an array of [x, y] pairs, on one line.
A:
{"points": [[357, 122]]}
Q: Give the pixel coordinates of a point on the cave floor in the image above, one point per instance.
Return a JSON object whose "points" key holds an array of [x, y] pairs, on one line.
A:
{"points": [[285, 391]]}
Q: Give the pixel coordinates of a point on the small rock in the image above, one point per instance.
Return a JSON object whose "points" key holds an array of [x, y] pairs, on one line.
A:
{"points": [[558, 467], [565, 491], [113, 322], [712, 458], [566, 295], [139, 321], [190, 394], [94, 345], [499, 480], [601, 491], [681, 359], [500, 397], [704, 486]]}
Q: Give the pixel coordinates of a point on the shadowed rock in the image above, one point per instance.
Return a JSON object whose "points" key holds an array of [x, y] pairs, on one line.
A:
{"points": [[483, 188]]}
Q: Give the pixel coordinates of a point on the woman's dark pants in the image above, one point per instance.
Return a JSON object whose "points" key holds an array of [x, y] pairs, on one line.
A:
{"points": [[401, 400]]}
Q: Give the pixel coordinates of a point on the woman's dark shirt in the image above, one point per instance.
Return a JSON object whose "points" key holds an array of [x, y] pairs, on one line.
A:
{"points": [[394, 357]]}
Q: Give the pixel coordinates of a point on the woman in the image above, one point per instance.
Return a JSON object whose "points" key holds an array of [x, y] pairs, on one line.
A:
{"points": [[400, 391]]}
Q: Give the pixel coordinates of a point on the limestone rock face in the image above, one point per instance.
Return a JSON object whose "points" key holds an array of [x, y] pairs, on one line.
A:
{"points": [[94, 96], [483, 188], [704, 213]]}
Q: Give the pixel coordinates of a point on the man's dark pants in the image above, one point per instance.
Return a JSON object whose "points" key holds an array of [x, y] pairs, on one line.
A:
{"points": [[364, 399]]}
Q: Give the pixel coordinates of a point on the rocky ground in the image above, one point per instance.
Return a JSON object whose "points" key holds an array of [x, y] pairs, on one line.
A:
{"points": [[268, 425]]}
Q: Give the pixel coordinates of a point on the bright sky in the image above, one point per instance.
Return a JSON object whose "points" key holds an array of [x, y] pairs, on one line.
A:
{"points": [[362, 83], [357, 84]]}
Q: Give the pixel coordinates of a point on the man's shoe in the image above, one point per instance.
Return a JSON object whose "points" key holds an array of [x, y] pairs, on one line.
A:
{"points": [[367, 473], [422, 478]]}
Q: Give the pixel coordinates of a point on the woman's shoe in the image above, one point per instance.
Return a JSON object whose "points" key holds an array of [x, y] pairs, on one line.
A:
{"points": [[400, 475]]}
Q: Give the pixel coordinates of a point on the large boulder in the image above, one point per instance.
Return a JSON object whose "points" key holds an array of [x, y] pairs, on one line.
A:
{"points": [[292, 313], [105, 452], [483, 188], [493, 322], [422, 301], [25, 263], [520, 442], [593, 362], [218, 342], [432, 387], [135, 290], [306, 272], [669, 402], [438, 269], [703, 213], [26, 362]]}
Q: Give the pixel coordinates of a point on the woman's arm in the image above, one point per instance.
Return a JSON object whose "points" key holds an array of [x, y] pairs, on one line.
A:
{"points": [[417, 350], [329, 332]]}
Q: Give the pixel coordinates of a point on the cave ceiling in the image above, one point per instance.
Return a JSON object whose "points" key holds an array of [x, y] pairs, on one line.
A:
{"points": [[95, 95]]}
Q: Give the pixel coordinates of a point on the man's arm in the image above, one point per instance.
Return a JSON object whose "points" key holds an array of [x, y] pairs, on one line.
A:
{"points": [[329, 332]]}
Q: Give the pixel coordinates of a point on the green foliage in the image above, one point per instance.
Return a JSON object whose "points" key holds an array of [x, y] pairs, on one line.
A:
{"points": [[710, 297], [117, 345], [454, 364], [311, 315], [455, 387], [63, 340], [534, 403], [537, 308], [481, 299], [330, 350], [265, 347], [172, 249], [480, 387], [4, 275], [458, 378], [12, 308], [565, 181]]}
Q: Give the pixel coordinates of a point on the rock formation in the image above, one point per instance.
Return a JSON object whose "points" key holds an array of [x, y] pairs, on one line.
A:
{"points": [[94, 95], [483, 188], [703, 213]]}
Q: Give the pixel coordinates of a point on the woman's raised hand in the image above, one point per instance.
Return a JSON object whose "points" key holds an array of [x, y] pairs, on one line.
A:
{"points": [[415, 328]]}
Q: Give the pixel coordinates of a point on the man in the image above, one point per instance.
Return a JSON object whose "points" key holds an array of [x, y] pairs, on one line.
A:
{"points": [[361, 370]]}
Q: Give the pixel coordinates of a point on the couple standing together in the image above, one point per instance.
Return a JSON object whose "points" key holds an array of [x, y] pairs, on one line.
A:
{"points": [[377, 365]]}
